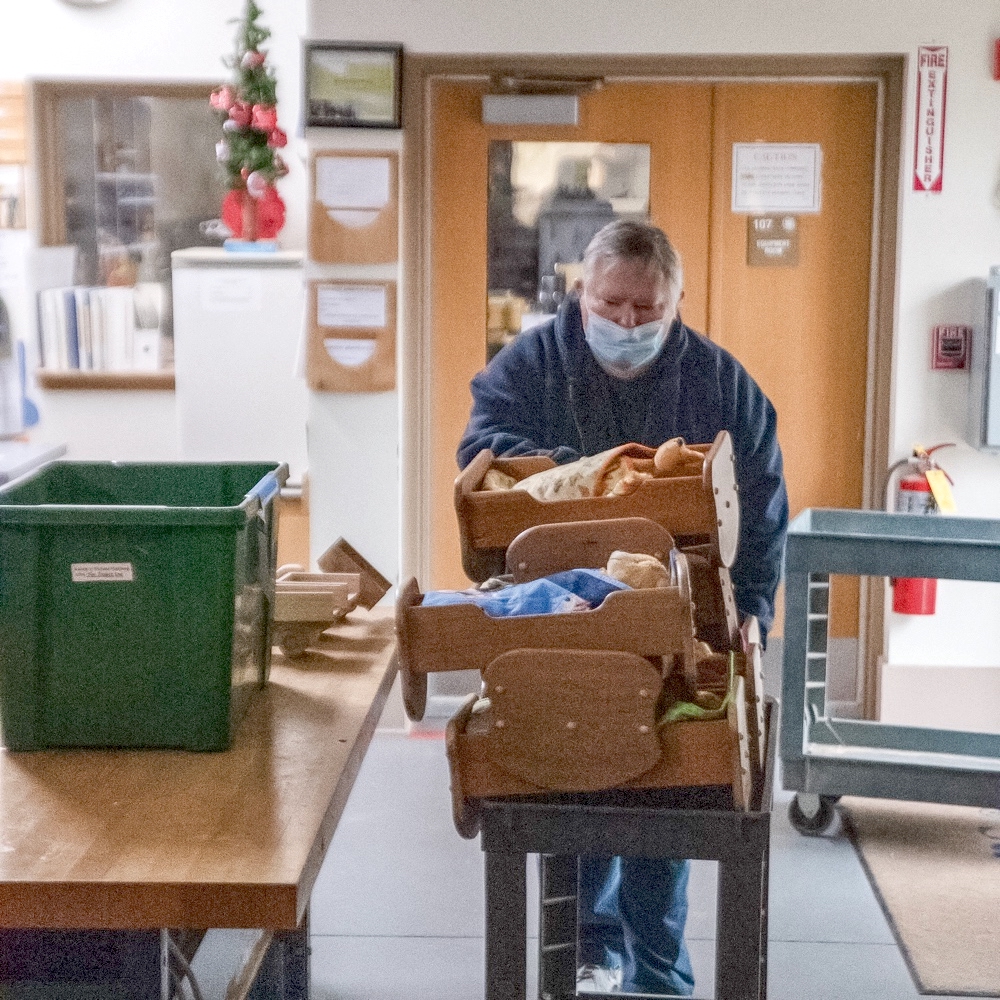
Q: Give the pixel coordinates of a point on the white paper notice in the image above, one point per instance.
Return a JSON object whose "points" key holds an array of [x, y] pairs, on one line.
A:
{"points": [[771, 177], [359, 182], [102, 572], [230, 291], [351, 306], [352, 218], [349, 353]]}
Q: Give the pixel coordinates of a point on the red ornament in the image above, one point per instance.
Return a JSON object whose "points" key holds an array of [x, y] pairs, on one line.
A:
{"points": [[270, 213], [252, 59], [277, 139]]}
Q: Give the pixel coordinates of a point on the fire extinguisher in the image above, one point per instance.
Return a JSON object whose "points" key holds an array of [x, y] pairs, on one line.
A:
{"points": [[916, 595]]}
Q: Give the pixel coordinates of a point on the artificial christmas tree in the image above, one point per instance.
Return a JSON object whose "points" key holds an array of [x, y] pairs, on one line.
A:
{"points": [[253, 209]]}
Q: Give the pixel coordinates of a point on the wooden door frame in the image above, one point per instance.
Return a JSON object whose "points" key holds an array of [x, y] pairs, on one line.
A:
{"points": [[888, 71]]}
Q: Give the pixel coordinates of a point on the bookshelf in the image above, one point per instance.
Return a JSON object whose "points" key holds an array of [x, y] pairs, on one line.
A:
{"points": [[127, 381], [99, 337]]}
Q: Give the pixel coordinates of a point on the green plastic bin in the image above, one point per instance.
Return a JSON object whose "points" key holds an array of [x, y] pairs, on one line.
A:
{"points": [[135, 602]]}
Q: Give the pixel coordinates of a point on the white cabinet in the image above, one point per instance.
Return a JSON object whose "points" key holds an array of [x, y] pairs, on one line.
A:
{"points": [[238, 319]]}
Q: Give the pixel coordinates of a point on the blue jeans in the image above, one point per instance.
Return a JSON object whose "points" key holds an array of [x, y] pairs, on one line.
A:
{"points": [[631, 916]]}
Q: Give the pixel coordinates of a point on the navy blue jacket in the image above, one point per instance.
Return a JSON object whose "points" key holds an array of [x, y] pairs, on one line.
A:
{"points": [[546, 394]]}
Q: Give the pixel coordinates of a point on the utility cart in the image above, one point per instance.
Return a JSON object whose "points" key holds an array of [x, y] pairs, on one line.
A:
{"points": [[822, 757], [566, 753]]}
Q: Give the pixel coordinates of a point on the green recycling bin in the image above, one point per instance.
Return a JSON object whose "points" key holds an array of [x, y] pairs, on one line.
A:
{"points": [[135, 602]]}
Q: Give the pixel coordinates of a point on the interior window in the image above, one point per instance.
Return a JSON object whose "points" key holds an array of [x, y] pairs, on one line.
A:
{"points": [[129, 175]]}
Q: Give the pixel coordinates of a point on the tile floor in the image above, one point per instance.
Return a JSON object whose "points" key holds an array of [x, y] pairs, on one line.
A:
{"points": [[397, 911]]}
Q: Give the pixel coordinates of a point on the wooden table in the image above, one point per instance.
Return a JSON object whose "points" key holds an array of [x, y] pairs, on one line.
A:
{"points": [[100, 843]]}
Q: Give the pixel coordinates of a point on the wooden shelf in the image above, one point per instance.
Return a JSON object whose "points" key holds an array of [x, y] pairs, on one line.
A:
{"points": [[127, 381]]}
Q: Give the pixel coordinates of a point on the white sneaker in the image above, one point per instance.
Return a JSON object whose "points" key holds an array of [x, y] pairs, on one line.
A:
{"points": [[598, 979]]}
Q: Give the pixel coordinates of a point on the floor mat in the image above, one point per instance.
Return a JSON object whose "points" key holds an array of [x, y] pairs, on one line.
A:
{"points": [[936, 872]]}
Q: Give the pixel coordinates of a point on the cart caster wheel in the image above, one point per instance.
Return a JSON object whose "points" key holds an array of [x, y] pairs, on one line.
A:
{"points": [[812, 815]]}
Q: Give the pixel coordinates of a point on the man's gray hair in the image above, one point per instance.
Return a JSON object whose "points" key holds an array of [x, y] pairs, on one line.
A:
{"points": [[625, 239]]}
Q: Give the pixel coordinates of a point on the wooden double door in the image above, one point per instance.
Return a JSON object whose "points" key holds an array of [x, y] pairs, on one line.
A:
{"points": [[802, 331]]}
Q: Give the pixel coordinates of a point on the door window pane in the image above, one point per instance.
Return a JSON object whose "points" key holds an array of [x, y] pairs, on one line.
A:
{"points": [[546, 201]]}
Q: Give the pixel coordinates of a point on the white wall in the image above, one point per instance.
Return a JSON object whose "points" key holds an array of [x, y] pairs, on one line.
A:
{"points": [[149, 40], [946, 240], [354, 437]]}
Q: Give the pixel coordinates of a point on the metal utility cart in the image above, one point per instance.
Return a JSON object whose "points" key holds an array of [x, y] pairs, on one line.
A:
{"points": [[566, 755], [823, 757]]}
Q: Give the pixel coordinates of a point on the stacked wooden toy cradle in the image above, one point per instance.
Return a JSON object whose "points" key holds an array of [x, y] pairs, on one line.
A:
{"points": [[573, 698]]}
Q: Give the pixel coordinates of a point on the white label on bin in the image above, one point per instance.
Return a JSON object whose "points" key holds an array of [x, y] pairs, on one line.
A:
{"points": [[102, 572]]}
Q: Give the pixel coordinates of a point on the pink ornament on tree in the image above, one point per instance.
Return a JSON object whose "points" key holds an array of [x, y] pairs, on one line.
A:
{"points": [[241, 114], [222, 99], [277, 139], [264, 117], [257, 184], [252, 59]]}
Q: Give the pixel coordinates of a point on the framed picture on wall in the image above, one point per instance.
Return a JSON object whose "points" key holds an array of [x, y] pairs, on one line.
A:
{"points": [[353, 85]]}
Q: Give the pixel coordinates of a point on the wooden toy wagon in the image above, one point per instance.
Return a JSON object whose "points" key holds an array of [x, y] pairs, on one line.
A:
{"points": [[307, 604]]}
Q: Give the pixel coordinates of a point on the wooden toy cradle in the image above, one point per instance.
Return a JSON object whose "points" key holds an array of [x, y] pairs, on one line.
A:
{"points": [[574, 699], [697, 511]]}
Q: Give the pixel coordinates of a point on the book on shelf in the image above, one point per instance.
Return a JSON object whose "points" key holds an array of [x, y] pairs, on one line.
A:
{"points": [[101, 329]]}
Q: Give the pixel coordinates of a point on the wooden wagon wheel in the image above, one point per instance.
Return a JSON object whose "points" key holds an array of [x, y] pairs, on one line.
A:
{"points": [[466, 812], [413, 684]]}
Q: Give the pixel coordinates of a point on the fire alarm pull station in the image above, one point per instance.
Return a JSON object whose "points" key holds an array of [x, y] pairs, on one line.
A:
{"points": [[950, 347]]}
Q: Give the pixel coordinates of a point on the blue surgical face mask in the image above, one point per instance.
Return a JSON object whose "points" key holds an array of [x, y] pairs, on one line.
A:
{"points": [[623, 352]]}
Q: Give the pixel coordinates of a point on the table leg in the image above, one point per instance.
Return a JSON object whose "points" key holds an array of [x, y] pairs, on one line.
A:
{"points": [[506, 926], [741, 940], [284, 973]]}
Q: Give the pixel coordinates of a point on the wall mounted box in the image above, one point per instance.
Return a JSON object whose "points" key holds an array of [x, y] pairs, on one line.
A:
{"points": [[984, 385], [351, 330], [354, 207]]}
